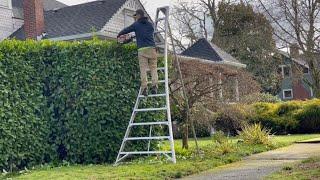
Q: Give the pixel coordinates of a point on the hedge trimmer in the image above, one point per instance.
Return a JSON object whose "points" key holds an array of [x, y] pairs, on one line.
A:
{"points": [[125, 39]]}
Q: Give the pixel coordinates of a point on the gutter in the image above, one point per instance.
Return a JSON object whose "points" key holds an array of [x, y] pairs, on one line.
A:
{"points": [[230, 63], [77, 36]]}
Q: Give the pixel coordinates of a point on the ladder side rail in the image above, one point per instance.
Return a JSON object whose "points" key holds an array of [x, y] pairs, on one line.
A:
{"points": [[150, 135], [167, 86]]}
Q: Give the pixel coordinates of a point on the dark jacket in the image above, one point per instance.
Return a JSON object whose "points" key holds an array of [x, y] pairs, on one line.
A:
{"points": [[144, 32]]}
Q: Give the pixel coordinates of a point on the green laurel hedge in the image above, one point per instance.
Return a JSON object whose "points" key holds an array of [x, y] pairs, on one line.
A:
{"points": [[64, 101]]}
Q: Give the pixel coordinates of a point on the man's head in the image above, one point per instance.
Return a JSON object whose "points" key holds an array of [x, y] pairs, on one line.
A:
{"points": [[139, 14]]}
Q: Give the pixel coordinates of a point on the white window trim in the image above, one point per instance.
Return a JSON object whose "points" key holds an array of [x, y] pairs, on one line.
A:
{"points": [[311, 92], [308, 71], [283, 93], [282, 70]]}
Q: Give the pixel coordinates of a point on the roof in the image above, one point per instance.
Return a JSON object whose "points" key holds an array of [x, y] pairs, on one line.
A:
{"points": [[203, 49], [77, 19], [298, 60], [17, 6]]}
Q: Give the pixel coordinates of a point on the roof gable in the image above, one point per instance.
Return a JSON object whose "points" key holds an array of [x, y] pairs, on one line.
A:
{"points": [[299, 60], [202, 49], [205, 51]]}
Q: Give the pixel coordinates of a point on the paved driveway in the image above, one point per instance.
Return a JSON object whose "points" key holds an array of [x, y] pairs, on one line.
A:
{"points": [[260, 165]]}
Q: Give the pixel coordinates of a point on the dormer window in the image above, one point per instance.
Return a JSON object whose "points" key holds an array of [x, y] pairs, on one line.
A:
{"points": [[286, 71]]}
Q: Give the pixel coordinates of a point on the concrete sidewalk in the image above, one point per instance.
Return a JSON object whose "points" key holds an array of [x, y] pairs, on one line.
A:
{"points": [[261, 165]]}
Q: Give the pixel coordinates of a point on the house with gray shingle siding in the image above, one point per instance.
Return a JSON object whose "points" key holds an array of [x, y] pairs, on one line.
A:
{"points": [[6, 25], [294, 73], [102, 18]]}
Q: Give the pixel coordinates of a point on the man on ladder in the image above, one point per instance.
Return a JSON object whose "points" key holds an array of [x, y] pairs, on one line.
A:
{"points": [[147, 54], [148, 57]]}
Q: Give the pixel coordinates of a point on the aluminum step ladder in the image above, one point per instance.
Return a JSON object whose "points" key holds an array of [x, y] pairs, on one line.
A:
{"points": [[162, 17]]}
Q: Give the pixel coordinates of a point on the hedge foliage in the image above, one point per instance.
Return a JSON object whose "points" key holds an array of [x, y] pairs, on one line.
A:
{"points": [[64, 101], [288, 117]]}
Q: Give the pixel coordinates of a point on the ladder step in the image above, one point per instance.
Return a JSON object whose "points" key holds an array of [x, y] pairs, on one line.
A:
{"points": [[147, 138], [162, 81], [164, 9], [160, 43], [151, 109], [159, 31], [160, 19], [160, 46], [153, 95], [146, 152], [159, 69], [150, 123]]}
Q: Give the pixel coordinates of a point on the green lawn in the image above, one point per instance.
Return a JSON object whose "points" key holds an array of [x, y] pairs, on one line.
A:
{"points": [[307, 169], [153, 168]]}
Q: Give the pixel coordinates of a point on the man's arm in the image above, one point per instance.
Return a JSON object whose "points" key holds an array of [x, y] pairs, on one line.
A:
{"points": [[127, 30]]}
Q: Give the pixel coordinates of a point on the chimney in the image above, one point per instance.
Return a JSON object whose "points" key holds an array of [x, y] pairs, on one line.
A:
{"points": [[33, 18], [294, 50]]}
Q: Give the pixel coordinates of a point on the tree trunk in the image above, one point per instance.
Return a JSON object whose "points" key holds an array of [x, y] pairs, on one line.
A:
{"points": [[316, 88], [315, 73], [185, 136]]}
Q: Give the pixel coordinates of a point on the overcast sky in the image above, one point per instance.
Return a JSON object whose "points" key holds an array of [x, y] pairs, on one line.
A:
{"points": [[150, 5]]}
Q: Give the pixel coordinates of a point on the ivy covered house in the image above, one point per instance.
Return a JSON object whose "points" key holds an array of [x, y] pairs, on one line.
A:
{"points": [[295, 75]]}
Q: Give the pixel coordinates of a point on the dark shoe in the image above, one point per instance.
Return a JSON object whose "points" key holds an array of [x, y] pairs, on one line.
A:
{"points": [[145, 92], [154, 90]]}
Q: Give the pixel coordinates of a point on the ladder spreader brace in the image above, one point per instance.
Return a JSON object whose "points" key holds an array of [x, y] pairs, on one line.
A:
{"points": [[169, 154]]}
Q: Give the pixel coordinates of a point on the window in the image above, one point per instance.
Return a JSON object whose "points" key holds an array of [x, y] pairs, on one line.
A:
{"points": [[287, 94], [286, 71], [279, 71], [306, 70]]}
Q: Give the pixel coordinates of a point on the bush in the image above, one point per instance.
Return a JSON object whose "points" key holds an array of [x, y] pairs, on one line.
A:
{"points": [[309, 119], [223, 144], [219, 137], [288, 117], [231, 118], [277, 117], [64, 101], [260, 97], [225, 147], [255, 134]]}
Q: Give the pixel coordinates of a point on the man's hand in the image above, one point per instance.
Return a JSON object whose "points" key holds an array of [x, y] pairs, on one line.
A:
{"points": [[124, 39], [121, 39]]}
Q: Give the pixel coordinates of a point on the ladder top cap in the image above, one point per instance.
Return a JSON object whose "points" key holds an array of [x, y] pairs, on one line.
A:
{"points": [[164, 8]]}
